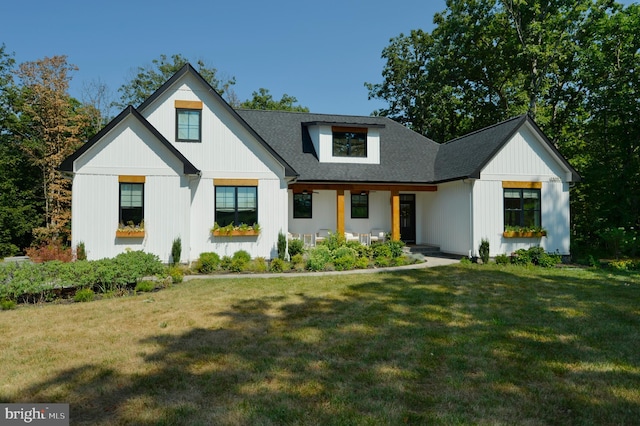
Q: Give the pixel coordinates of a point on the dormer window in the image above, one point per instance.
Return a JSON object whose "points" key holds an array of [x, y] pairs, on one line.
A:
{"points": [[188, 121], [349, 142]]}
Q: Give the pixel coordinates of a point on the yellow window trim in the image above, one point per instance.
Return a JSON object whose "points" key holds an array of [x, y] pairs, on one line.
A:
{"points": [[514, 184], [189, 104], [131, 179], [235, 182]]}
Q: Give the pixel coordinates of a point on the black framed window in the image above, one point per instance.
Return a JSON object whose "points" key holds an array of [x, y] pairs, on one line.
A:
{"points": [[349, 142], [302, 206], [131, 203], [360, 206], [188, 125], [237, 205], [522, 207]]}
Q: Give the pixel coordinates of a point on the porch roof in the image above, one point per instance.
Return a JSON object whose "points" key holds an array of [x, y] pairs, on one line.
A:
{"points": [[405, 156]]}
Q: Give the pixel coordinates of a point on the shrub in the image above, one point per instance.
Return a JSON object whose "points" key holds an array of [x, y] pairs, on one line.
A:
{"points": [[483, 251], [319, 258], [282, 245], [535, 256], [207, 262], [176, 274], [176, 251], [242, 256], [395, 247], [81, 251], [362, 263], [145, 286], [277, 265], [50, 251], [465, 261], [382, 261], [502, 259], [295, 247], [7, 305], [259, 264], [381, 250], [225, 262], [84, 295]]}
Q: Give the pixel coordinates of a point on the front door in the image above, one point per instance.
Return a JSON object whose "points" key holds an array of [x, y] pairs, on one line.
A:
{"points": [[408, 218]]}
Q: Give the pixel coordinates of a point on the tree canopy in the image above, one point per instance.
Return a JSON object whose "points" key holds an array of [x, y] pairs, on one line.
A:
{"points": [[263, 100], [571, 65], [147, 79]]}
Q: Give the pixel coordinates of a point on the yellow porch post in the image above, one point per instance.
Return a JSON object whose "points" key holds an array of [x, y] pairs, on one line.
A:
{"points": [[340, 217], [395, 215]]}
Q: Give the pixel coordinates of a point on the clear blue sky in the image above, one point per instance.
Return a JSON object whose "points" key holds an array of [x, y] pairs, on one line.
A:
{"points": [[322, 52]]}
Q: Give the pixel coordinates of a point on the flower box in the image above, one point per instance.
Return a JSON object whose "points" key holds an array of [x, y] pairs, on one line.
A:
{"points": [[129, 234], [524, 234], [235, 233]]}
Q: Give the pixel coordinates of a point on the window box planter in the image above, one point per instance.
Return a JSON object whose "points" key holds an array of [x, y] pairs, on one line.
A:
{"points": [[235, 233], [123, 233], [524, 234]]}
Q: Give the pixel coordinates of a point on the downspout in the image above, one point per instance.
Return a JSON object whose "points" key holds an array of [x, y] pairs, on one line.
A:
{"points": [[471, 253]]}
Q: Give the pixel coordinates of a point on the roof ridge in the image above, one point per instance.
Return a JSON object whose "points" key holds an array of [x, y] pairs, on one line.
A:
{"points": [[518, 117]]}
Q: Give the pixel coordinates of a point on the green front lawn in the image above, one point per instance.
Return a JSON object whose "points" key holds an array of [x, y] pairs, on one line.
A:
{"points": [[464, 344]]}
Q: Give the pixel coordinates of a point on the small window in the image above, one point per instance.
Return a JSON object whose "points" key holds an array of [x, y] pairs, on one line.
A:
{"points": [[522, 207], [188, 124], [302, 206], [349, 142], [360, 206], [237, 205], [131, 203]]}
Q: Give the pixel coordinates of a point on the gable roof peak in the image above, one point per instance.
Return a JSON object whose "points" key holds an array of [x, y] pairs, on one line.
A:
{"points": [[519, 118]]}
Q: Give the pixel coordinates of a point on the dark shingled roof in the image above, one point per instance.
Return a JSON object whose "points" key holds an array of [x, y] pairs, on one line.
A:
{"points": [[466, 156], [405, 156]]}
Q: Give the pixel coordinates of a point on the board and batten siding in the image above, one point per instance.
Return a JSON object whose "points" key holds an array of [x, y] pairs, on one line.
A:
{"points": [[446, 217], [523, 159]]}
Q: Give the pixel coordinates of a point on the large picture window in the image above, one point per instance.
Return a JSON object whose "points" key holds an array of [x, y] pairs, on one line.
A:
{"points": [[522, 207], [237, 205], [302, 206], [349, 142], [360, 206], [131, 203]]}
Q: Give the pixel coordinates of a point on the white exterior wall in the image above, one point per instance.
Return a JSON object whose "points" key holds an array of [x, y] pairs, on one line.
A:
{"points": [[322, 139], [176, 205], [523, 159], [129, 150], [446, 218]]}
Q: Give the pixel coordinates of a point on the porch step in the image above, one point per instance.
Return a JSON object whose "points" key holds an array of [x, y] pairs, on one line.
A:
{"points": [[425, 250]]}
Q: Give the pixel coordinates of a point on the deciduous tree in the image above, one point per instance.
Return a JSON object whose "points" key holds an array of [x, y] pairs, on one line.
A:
{"points": [[263, 100]]}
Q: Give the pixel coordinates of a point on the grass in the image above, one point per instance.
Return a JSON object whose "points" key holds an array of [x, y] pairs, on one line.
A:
{"points": [[463, 344]]}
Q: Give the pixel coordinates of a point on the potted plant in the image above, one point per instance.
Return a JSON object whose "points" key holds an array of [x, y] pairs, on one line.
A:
{"points": [[231, 230], [524, 232], [130, 230]]}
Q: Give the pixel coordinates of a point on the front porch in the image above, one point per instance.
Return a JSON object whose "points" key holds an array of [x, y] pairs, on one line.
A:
{"points": [[362, 212]]}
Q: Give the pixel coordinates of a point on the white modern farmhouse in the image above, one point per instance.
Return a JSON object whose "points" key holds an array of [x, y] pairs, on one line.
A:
{"points": [[185, 160]]}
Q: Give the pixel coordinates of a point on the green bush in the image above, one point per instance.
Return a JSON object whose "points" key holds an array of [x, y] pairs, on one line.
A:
{"points": [[242, 256], [259, 264], [176, 251], [319, 258], [282, 245], [395, 247], [176, 274], [81, 251], [334, 240], [277, 265], [225, 263], [535, 256], [145, 286], [84, 295], [502, 259], [382, 261], [295, 247], [207, 262], [7, 305], [381, 250], [483, 251]]}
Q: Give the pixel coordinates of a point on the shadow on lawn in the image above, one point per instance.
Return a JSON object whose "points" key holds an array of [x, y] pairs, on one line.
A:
{"points": [[437, 346]]}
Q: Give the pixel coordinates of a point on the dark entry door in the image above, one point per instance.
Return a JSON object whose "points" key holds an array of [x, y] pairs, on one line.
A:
{"points": [[408, 218]]}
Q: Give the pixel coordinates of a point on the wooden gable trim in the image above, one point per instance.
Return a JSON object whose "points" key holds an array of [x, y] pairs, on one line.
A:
{"points": [[188, 104], [514, 184], [131, 179], [235, 182]]}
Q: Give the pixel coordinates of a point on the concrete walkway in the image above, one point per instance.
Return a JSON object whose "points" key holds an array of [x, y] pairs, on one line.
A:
{"points": [[429, 262]]}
